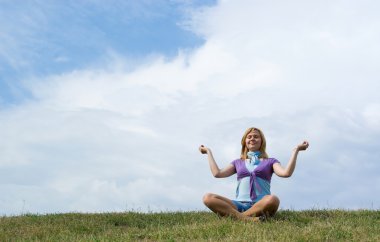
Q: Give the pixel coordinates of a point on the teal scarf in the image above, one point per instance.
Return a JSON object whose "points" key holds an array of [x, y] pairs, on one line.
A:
{"points": [[254, 157]]}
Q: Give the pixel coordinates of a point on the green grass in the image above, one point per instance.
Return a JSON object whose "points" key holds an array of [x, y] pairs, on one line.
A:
{"points": [[310, 225]]}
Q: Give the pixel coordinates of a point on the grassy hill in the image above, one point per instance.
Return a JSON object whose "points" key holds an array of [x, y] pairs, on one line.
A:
{"points": [[311, 225]]}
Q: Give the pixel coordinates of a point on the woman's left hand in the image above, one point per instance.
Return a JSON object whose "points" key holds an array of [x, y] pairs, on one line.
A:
{"points": [[303, 146]]}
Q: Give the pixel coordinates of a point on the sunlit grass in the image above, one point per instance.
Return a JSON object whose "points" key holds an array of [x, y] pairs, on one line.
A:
{"points": [[310, 225]]}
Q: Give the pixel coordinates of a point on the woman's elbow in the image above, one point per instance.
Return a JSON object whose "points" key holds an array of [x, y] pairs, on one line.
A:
{"points": [[285, 175], [215, 174]]}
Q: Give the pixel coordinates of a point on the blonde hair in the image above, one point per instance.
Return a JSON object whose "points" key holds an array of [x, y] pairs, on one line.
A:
{"points": [[244, 149]]}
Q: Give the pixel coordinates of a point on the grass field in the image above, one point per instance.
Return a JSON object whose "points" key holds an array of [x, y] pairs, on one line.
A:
{"points": [[311, 225]]}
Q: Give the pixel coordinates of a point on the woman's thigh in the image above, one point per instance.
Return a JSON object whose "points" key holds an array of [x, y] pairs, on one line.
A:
{"points": [[228, 201], [268, 204]]}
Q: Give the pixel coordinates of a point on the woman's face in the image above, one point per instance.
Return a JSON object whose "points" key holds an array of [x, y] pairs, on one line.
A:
{"points": [[253, 141]]}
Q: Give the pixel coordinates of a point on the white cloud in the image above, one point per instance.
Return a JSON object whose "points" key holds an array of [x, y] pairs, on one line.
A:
{"points": [[120, 138], [371, 114]]}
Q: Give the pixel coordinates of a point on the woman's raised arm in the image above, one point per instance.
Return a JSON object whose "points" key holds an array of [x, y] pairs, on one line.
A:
{"points": [[288, 171], [216, 172]]}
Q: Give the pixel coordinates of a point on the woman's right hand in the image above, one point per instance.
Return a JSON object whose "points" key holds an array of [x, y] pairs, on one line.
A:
{"points": [[203, 149]]}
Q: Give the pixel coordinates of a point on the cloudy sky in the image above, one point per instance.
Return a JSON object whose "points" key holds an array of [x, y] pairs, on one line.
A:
{"points": [[103, 104]]}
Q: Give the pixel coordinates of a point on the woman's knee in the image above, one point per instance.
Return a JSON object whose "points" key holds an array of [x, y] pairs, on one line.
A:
{"points": [[208, 198], [272, 200]]}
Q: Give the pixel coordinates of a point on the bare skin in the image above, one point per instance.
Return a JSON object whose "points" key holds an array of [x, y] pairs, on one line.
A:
{"points": [[268, 205], [224, 207]]}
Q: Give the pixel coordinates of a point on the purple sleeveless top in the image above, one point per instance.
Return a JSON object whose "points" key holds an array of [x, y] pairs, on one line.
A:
{"points": [[264, 170]]}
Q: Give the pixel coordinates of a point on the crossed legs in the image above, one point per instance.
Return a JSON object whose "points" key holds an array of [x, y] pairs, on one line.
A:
{"points": [[267, 206], [222, 206]]}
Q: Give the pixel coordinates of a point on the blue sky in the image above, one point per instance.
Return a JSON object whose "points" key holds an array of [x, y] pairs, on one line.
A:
{"points": [[103, 105], [50, 37]]}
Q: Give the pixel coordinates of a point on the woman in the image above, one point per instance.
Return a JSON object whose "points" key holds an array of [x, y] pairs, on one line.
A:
{"points": [[254, 171]]}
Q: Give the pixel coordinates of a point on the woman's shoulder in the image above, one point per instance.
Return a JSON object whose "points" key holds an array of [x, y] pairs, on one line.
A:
{"points": [[237, 161], [271, 160]]}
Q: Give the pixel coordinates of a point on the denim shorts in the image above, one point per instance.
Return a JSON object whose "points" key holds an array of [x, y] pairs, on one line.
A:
{"points": [[242, 206]]}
